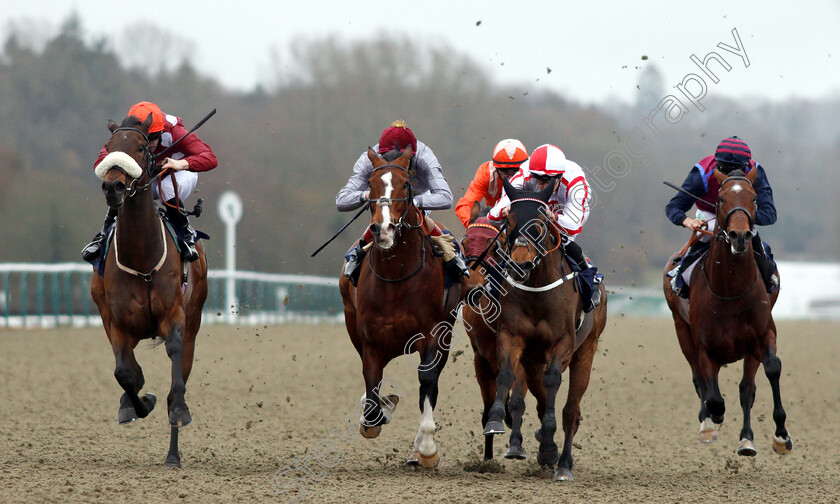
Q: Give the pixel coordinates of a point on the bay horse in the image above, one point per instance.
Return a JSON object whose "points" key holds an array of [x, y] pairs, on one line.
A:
{"points": [[728, 316], [399, 306], [542, 328], [481, 317], [141, 293]]}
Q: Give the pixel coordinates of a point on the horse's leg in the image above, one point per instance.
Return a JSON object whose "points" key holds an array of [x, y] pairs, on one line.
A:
{"points": [[509, 351], [708, 370], [782, 443], [708, 434], [552, 376], [372, 418], [747, 394], [132, 406], [173, 326], [487, 384], [580, 369], [516, 409], [126, 413], [431, 365]]}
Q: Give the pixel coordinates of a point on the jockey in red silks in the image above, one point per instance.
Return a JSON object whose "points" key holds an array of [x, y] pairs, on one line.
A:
{"points": [[731, 155], [186, 160], [570, 204], [428, 183]]}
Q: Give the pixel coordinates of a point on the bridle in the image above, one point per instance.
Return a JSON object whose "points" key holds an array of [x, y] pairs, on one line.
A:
{"points": [[147, 164], [723, 224], [520, 241], [722, 234], [400, 224]]}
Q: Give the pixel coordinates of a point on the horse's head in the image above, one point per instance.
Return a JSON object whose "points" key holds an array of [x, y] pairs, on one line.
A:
{"points": [[480, 236], [129, 159], [391, 197], [528, 227], [736, 207]]}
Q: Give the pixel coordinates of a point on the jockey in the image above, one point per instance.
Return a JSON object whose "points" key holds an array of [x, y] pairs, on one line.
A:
{"points": [[189, 157], [508, 156], [569, 202], [431, 193], [731, 154]]}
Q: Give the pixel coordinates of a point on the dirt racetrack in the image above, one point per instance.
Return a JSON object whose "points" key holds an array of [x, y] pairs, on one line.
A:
{"points": [[267, 402]]}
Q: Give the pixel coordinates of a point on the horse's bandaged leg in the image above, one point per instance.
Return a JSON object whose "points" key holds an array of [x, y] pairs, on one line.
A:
{"points": [[444, 241]]}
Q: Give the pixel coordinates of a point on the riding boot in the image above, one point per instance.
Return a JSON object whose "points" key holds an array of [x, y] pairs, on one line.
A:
{"points": [[589, 278], [91, 252], [678, 285], [453, 259], [178, 218], [765, 265], [354, 262]]}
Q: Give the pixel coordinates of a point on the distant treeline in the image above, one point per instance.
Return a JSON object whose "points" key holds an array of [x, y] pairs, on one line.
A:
{"points": [[288, 148]]}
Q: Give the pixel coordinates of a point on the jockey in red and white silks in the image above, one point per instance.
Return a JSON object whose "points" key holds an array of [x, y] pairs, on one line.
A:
{"points": [[570, 201]]}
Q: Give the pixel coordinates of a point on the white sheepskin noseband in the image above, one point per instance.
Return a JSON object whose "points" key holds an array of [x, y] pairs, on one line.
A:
{"points": [[119, 160]]}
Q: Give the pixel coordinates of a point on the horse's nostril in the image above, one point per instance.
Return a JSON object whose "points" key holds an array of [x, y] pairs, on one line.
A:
{"points": [[104, 187], [120, 187], [733, 235]]}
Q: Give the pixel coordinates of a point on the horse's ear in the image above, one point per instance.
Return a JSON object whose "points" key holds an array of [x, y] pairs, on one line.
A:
{"points": [[545, 193], [474, 211], [373, 156], [406, 156], [112, 126], [512, 192], [752, 174], [719, 176], [147, 123]]}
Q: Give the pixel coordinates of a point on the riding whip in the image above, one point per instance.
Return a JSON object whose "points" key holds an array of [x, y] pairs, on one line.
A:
{"points": [[364, 207]]}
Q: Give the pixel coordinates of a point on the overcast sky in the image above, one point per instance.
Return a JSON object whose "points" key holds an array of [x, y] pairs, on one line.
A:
{"points": [[594, 49]]}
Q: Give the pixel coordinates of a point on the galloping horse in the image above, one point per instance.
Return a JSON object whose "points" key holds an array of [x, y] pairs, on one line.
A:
{"points": [[141, 294], [542, 328], [399, 306], [481, 320], [729, 317]]}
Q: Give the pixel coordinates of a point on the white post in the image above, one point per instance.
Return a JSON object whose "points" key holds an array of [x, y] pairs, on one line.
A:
{"points": [[230, 211]]}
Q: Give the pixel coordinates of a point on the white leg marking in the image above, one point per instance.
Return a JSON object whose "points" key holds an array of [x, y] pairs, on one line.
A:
{"points": [[425, 441], [707, 425]]}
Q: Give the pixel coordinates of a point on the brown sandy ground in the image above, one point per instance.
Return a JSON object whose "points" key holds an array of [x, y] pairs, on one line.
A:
{"points": [[268, 401]]}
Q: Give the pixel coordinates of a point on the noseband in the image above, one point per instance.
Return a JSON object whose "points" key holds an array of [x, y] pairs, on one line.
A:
{"points": [[147, 165], [724, 223]]}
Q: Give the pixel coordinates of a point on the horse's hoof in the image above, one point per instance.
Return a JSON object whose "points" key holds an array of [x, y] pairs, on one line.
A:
{"points": [[746, 448], [126, 416], [413, 459], [515, 452], [429, 462], [563, 474], [149, 400], [388, 405], [370, 432], [173, 462], [782, 446], [708, 436], [708, 431], [494, 427], [180, 417]]}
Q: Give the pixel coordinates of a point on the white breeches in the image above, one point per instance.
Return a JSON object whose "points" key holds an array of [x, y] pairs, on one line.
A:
{"points": [[187, 180]]}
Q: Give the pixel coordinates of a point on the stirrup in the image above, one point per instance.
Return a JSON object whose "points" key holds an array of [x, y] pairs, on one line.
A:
{"points": [[94, 248]]}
